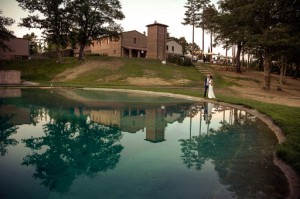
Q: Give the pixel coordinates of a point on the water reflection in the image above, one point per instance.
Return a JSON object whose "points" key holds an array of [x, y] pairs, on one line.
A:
{"points": [[73, 147], [73, 134], [7, 128], [239, 149], [132, 120]]}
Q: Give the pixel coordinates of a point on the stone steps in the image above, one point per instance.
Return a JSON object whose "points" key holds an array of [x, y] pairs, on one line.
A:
{"points": [[203, 69]]}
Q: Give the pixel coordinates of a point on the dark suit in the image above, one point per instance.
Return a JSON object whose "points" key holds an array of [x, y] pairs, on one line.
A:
{"points": [[206, 85]]}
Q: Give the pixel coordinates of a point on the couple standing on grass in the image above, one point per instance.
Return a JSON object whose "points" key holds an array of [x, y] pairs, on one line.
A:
{"points": [[208, 84]]}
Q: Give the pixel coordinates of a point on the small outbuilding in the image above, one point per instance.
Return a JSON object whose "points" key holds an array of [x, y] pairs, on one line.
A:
{"points": [[18, 49]]}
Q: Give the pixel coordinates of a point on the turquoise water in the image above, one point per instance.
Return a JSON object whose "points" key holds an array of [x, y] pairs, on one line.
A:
{"points": [[96, 144]]}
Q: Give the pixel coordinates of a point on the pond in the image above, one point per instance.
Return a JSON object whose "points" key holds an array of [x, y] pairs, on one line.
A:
{"points": [[100, 144]]}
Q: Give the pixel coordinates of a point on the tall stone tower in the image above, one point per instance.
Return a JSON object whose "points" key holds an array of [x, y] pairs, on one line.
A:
{"points": [[157, 38]]}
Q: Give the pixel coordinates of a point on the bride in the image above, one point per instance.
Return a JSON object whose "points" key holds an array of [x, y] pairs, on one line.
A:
{"points": [[210, 88]]}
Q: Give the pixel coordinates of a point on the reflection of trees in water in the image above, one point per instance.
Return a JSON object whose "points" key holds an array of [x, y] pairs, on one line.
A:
{"points": [[242, 153], [72, 146], [37, 114], [6, 130]]}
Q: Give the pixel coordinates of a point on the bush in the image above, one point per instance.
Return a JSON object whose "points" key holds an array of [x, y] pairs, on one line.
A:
{"points": [[179, 60]]}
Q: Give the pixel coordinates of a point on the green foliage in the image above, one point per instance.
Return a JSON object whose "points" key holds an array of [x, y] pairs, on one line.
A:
{"points": [[180, 60], [34, 47], [5, 34], [193, 11], [185, 45], [52, 18], [92, 19]]}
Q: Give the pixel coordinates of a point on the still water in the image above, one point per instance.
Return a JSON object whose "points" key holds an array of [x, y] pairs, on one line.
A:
{"points": [[101, 144]]}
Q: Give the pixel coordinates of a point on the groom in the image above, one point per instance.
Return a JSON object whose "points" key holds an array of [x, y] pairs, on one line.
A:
{"points": [[206, 83]]}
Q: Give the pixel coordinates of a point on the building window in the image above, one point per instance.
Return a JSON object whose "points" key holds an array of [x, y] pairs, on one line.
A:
{"points": [[167, 48], [115, 51], [134, 40], [172, 48]]}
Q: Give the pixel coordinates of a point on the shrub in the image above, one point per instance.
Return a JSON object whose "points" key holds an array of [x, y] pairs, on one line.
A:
{"points": [[179, 60]]}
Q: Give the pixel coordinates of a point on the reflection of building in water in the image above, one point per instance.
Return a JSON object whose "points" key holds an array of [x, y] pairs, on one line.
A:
{"points": [[127, 120], [16, 92], [172, 117], [155, 125], [132, 120], [16, 115]]}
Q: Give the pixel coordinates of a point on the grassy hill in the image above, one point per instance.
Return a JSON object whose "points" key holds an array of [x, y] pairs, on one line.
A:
{"points": [[104, 71]]}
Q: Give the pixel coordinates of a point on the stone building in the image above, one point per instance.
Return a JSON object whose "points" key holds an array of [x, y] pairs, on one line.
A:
{"points": [[129, 44], [134, 43], [157, 38], [18, 49], [173, 47]]}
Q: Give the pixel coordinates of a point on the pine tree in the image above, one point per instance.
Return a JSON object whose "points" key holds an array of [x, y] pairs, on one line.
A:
{"points": [[193, 13]]}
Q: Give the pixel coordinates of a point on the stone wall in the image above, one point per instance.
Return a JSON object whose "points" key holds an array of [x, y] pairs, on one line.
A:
{"points": [[10, 77], [107, 46]]}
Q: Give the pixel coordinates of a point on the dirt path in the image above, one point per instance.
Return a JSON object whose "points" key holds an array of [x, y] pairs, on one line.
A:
{"points": [[86, 67]]}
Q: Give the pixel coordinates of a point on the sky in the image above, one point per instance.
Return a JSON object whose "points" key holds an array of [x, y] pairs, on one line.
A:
{"points": [[138, 14]]}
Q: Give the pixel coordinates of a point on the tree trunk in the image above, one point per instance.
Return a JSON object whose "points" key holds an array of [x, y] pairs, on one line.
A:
{"points": [[211, 47], [248, 60], [58, 51], [80, 54], [243, 58], [233, 55], [267, 71], [284, 72], [58, 46], [261, 61], [193, 38], [226, 51], [283, 67], [238, 59], [203, 39]]}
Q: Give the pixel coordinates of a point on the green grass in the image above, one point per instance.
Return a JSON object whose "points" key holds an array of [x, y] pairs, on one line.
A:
{"points": [[133, 68], [43, 71], [39, 70], [245, 79]]}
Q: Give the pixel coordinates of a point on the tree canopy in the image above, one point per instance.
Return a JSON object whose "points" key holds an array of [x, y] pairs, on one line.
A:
{"points": [[5, 34], [265, 26], [193, 13], [82, 21], [94, 18], [51, 17], [34, 46]]}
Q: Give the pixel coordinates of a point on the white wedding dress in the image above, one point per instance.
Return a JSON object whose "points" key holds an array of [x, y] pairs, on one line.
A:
{"points": [[211, 93]]}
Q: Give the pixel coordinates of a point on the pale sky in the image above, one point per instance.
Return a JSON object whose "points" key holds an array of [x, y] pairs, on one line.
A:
{"points": [[138, 14]]}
